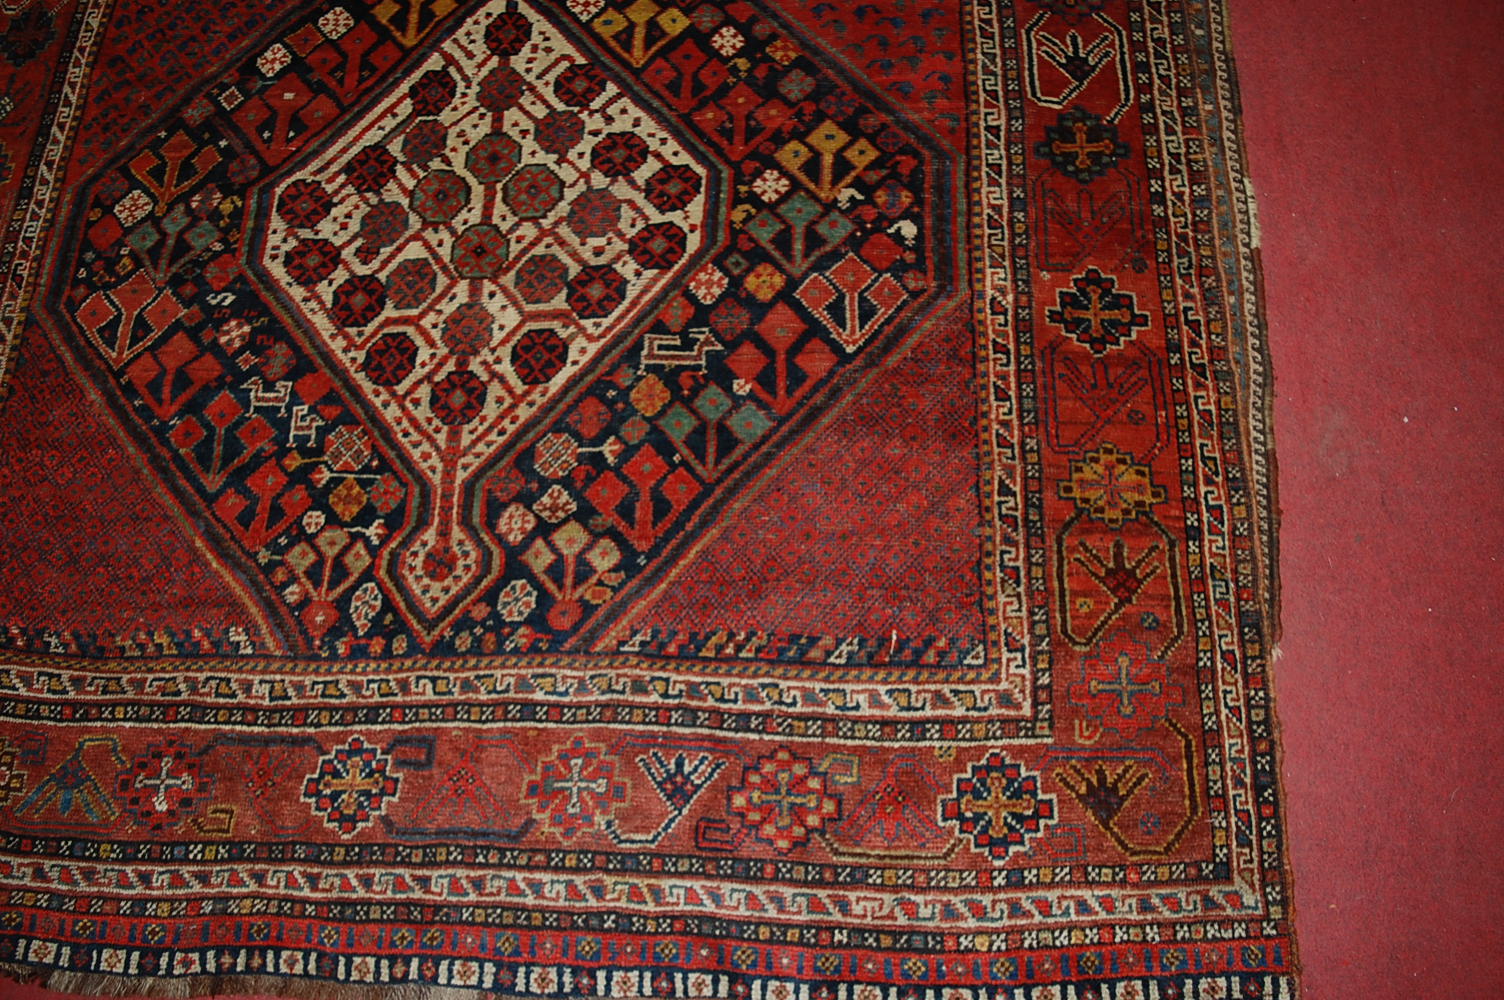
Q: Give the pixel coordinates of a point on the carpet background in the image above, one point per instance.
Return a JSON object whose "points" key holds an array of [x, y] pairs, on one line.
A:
{"points": [[1381, 222], [1373, 131]]}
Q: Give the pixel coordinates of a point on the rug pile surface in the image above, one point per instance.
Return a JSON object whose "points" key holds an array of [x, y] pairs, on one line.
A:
{"points": [[634, 498]]}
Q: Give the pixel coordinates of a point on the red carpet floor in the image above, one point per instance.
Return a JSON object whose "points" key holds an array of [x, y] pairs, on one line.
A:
{"points": [[1381, 222], [1374, 136]]}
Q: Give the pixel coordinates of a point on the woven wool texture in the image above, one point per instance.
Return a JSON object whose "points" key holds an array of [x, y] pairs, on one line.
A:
{"points": [[607, 498]]}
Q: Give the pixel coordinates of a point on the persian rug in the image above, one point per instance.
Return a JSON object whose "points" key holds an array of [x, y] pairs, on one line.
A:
{"points": [[634, 498]]}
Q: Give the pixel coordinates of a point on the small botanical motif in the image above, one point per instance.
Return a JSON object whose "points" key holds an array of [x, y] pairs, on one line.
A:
{"points": [[351, 786], [1096, 314], [1126, 688], [999, 806], [1109, 486], [1082, 145], [164, 785], [577, 790], [783, 798]]}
